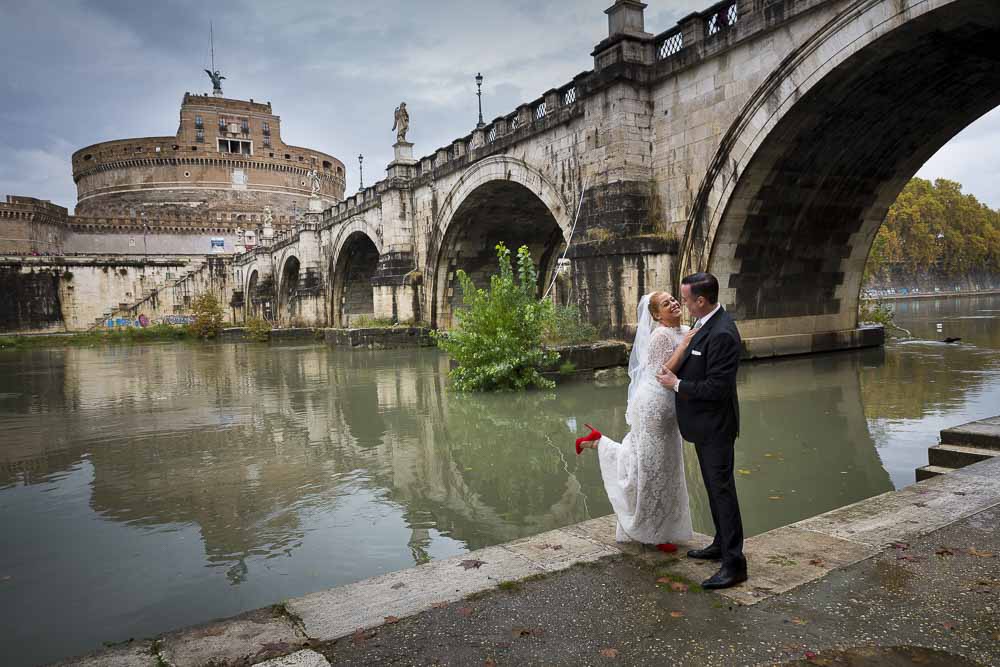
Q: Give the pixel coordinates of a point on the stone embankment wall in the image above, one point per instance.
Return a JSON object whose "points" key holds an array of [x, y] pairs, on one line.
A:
{"points": [[904, 282], [59, 294]]}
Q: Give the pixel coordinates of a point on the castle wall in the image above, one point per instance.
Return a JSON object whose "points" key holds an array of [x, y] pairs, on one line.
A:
{"points": [[48, 295]]}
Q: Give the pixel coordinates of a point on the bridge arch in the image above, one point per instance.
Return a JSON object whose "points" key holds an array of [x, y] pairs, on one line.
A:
{"points": [[353, 263], [805, 175], [252, 308], [497, 199], [288, 283]]}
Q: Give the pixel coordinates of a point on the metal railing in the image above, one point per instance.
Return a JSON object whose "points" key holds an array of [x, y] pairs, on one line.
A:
{"points": [[721, 17], [540, 111], [671, 44], [569, 96]]}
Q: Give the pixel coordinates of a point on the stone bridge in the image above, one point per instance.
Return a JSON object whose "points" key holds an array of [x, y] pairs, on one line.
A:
{"points": [[763, 140]]}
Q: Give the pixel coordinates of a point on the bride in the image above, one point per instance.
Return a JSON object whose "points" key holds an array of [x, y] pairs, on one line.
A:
{"points": [[644, 473]]}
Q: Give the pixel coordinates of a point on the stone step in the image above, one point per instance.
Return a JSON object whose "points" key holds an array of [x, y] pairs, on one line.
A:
{"points": [[958, 456], [929, 472], [984, 433]]}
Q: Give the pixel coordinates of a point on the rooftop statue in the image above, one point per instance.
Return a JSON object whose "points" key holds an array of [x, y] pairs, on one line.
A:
{"points": [[216, 78]]}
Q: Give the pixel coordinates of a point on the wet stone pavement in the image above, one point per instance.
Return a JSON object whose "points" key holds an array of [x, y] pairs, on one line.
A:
{"points": [[934, 600]]}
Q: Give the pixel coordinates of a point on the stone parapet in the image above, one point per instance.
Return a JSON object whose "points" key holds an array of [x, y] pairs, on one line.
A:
{"points": [[379, 338]]}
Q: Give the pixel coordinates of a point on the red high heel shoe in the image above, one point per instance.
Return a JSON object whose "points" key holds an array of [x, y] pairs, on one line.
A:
{"points": [[667, 547], [593, 435]]}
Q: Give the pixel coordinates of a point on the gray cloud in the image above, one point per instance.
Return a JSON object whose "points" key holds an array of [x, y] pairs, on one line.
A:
{"points": [[83, 71]]}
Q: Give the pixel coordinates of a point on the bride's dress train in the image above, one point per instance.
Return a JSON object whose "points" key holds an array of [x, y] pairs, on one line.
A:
{"points": [[644, 474]]}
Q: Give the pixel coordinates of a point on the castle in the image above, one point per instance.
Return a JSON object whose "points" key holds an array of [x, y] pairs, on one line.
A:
{"points": [[225, 171]]}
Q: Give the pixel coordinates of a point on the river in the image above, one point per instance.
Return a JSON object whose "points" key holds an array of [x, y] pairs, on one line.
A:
{"points": [[145, 488]]}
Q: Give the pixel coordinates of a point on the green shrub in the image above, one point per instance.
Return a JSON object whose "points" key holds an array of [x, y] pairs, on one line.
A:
{"points": [[258, 330], [565, 326], [207, 316], [497, 342]]}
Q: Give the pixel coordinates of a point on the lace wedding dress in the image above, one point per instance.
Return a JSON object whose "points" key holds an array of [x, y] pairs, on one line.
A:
{"points": [[644, 473]]}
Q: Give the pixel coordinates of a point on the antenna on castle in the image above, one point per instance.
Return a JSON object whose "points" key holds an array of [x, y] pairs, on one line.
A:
{"points": [[213, 73]]}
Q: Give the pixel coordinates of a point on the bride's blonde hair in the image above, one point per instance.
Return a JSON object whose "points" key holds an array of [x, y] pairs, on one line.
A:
{"points": [[654, 304]]}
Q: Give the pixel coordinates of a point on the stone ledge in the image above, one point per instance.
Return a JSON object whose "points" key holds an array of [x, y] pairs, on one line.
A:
{"points": [[783, 346], [379, 338]]}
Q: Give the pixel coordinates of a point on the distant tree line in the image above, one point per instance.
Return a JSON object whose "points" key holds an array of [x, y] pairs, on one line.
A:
{"points": [[933, 228]]}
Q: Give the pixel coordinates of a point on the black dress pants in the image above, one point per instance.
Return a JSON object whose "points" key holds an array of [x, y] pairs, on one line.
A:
{"points": [[716, 459]]}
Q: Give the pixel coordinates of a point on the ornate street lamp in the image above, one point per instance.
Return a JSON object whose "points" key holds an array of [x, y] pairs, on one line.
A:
{"points": [[361, 170], [479, 94]]}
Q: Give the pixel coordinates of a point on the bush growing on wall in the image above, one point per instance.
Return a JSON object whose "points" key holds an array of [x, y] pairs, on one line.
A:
{"points": [[207, 316], [258, 330], [497, 342]]}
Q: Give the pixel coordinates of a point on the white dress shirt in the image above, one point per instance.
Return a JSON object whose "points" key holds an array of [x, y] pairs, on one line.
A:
{"points": [[700, 322]]}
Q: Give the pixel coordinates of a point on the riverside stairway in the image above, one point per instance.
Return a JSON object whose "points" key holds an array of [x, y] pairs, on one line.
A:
{"points": [[962, 446]]}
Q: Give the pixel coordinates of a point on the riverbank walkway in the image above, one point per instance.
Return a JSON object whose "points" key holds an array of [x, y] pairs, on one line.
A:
{"points": [[907, 577]]}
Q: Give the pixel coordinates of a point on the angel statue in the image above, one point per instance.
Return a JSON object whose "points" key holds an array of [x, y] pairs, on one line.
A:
{"points": [[216, 78], [314, 179], [401, 122]]}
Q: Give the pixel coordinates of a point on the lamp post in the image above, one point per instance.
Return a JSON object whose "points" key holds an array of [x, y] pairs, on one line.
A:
{"points": [[361, 171], [479, 94]]}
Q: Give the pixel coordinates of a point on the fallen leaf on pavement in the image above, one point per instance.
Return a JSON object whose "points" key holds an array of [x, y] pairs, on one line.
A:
{"points": [[981, 554], [276, 647], [948, 626], [397, 586], [900, 545], [818, 562], [465, 611], [678, 587], [743, 471], [677, 614], [554, 547], [527, 632], [944, 551], [775, 497], [360, 636], [490, 662], [810, 655], [389, 620], [609, 652], [439, 605], [908, 558], [799, 621], [472, 563]]}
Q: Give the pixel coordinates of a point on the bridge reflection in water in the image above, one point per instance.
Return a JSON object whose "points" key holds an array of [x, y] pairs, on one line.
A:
{"points": [[149, 487]]}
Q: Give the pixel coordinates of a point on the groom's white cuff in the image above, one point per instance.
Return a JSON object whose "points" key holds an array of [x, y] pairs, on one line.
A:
{"points": [[677, 387]]}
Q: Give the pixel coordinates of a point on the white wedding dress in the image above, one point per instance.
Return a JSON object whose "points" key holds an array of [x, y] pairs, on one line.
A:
{"points": [[644, 473]]}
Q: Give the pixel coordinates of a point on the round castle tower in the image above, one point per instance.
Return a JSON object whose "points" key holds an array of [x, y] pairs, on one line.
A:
{"points": [[226, 163]]}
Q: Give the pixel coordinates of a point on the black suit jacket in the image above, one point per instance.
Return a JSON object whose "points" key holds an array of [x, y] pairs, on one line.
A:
{"points": [[708, 408]]}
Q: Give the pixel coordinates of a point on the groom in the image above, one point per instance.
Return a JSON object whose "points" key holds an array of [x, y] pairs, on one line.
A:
{"points": [[708, 413]]}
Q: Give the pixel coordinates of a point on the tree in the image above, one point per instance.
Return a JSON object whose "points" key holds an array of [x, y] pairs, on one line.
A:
{"points": [[497, 342], [208, 315]]}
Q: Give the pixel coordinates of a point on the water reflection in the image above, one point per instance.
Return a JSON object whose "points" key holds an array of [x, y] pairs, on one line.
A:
{"points": [[143, 488]]}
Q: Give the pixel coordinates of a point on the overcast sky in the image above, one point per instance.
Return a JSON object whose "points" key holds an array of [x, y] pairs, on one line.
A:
{"points": [[78, 72]]}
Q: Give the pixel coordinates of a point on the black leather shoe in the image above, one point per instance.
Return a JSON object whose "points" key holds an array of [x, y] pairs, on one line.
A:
{"points": [[724, 579], [710, 552]]}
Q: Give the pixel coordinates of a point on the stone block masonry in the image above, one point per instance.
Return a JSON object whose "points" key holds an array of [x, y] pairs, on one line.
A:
{"points": [[66, 294]]}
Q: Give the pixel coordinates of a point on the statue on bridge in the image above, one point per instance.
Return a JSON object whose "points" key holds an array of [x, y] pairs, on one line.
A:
{"points": [[315, 182], [401, 122]]}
